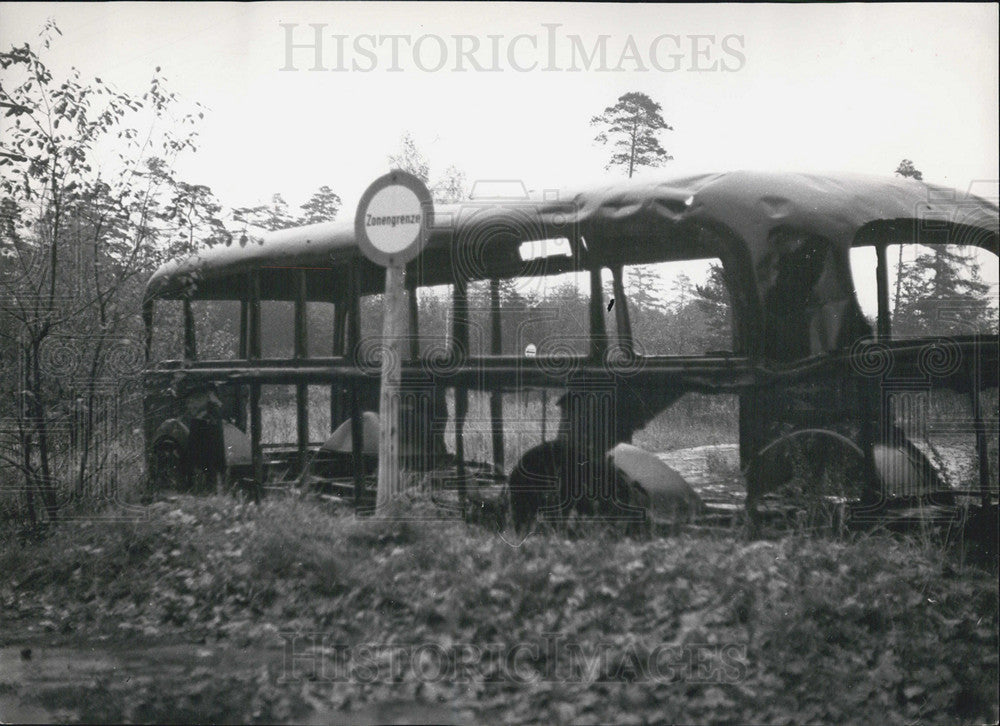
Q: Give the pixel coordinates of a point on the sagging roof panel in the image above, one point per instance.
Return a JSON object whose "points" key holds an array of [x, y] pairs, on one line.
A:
{"points": [[616, 220]]}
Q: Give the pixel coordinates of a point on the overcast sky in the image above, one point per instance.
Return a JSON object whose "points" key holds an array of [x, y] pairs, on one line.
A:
{"points": [[853, 87], [848, 87]]}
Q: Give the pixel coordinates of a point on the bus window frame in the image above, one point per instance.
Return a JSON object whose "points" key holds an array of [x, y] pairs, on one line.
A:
{"points": [[885, 234]]}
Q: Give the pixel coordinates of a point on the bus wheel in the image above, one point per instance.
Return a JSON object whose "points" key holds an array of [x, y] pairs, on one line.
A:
{"points": [[808, 480], [168, 471]]}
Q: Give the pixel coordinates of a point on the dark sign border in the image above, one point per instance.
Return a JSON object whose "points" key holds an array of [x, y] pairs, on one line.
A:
{"points": [[397, 177]]}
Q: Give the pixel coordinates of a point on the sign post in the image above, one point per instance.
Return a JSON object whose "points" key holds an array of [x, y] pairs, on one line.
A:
{"points": [[392, 225]]}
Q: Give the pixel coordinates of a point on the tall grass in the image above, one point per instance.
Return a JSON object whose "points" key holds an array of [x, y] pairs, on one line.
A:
{"points": [[871, 629], [277, 410]]}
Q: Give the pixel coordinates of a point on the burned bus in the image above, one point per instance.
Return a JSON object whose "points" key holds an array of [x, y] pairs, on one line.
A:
{"points": [[518, 296]]}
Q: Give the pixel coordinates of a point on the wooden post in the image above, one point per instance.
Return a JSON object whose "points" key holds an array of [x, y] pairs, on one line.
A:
{"points": [[598, 329], [190, 346], [339, 323], [244, 327], [301, 389], [870, 433], [337, 400], [392, 224], [256, 455], [301, 342], [621, 311], [253, 346], [882, 286], [975, 379], [414, 329], [545, 409], [393, 331], [147, 324], [357, 427], [253, 354], [496, 398], [460, 351], [241, 393], [302, 422]]}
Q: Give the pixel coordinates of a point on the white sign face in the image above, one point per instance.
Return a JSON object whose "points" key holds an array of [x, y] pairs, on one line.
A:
{"points": [[393, 219]]}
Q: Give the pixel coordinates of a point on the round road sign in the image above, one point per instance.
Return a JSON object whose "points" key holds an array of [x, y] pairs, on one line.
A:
{"points": [[394, 218]]}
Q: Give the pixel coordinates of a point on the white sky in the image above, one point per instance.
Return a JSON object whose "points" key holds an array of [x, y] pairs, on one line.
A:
{"points": [[853, 87]]}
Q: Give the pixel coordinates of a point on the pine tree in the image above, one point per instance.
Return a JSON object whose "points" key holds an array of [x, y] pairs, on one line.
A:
{"points": [[942, 293], [271, 216], [632, 125], [641, 284], [651, 326], [322, 206], [713, 299], [682, 289]]}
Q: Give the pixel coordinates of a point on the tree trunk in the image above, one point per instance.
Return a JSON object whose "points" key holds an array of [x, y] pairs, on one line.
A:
{"points": [[631, 158], [899, 281], [41, 427], [88, 423], [29, 477]]}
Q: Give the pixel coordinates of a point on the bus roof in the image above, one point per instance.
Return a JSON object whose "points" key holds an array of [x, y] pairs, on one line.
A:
{"points": [[624, 222]]}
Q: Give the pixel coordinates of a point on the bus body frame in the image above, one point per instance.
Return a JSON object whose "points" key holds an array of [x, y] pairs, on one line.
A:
{"points": [[805, 364]]}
